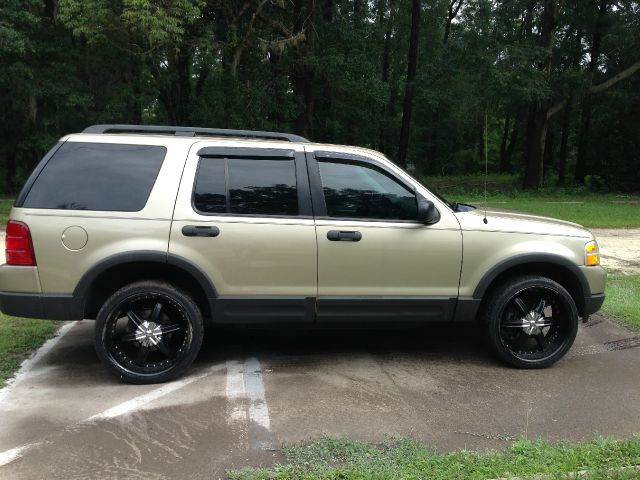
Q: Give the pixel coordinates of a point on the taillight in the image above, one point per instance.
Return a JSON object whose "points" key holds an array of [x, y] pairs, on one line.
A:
{"points": [[19, 247]]}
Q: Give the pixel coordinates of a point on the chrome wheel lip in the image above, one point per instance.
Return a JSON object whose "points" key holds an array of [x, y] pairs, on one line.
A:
{"points": [[123, 362], [535, 324]]}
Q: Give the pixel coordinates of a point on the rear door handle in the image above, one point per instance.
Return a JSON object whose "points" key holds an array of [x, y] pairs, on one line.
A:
{"points": [[200, 231], [343, 236]]}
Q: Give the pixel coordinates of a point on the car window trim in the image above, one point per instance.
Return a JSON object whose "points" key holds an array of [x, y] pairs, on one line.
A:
{"points": [[247, 153]]}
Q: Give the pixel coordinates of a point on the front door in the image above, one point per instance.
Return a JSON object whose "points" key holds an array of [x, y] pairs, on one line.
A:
{"points": [[243, 216], [375, 260]]}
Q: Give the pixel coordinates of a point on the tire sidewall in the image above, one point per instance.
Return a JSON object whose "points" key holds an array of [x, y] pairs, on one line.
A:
{"points": [[193, 317], [496, 308]]}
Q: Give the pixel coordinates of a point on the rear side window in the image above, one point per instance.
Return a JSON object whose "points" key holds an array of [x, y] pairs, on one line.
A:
{"points": [[246, 187], [97, 176]]}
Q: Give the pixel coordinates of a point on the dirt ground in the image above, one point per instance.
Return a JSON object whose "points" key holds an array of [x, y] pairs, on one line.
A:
{"points": [[251, 391], [620, 248]]}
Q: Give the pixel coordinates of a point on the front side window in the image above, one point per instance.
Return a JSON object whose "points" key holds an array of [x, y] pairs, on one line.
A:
{"points": [[246, 187], [358, 190], [97, 176]]}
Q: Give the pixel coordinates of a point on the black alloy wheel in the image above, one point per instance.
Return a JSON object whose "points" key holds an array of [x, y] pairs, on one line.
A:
{"points": [[531, 322], [148, 332]]}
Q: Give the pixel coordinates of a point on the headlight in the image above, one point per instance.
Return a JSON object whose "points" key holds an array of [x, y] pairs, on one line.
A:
{"points": [[591, 253]]}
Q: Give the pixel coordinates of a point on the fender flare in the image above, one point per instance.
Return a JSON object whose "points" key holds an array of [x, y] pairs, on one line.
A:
{"points": [[84, 285], [528, 258]]}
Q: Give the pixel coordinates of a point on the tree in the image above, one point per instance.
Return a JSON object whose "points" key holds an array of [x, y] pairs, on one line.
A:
{"points": [[409, 84], [410, 79], [537, 120]]}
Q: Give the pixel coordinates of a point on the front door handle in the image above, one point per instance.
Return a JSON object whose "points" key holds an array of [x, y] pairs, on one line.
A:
{"points": [[343, 236], [200, 231]]}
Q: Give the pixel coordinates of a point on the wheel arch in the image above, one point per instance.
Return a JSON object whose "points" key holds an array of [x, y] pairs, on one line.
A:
{"points": [[112, 273], [555, 267]]}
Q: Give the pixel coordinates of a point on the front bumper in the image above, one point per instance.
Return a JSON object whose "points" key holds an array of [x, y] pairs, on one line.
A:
{"points": [[592, 304]]}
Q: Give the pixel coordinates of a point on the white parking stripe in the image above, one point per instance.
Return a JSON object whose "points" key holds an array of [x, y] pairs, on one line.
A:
{"points": [[9, 456], [235, 390], [258, 410], [29, 363], [137, 402]]}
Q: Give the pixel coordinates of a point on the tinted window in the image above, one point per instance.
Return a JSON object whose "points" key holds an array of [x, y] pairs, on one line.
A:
{"points": [[210, 192], [354, 190], [255, 187], [97, 176]]}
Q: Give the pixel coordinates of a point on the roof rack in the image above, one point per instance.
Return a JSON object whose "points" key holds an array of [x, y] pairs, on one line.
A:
{"points": [[194, 131]]}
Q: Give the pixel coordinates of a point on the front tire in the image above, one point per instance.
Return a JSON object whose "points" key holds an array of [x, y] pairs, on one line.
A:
{"points": [[530, 321], [148, 332]]}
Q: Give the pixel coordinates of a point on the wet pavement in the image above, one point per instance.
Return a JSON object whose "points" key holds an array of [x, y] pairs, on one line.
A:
{"points": [[252, 390]]}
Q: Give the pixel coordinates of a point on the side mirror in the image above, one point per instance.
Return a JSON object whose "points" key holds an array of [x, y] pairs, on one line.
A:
{"points": [[427, 211]]}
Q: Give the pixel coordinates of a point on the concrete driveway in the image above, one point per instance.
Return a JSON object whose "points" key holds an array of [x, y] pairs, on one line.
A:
{"points": [[250, 391]]}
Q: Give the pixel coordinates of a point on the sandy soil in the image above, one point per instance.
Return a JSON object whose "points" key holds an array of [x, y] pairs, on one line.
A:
{"points": [[620, 248]]}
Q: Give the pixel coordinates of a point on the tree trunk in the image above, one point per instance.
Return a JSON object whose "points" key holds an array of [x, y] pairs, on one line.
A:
{"points": [[511, 145], [538, 118], [182, 87], [536, 137], [303, 75], [454, 8], [564, 142], [411, 75], [503, 146], [358, 12], [585, 118], [51, 9], [549, 152], [277, 114], [386, 63]]}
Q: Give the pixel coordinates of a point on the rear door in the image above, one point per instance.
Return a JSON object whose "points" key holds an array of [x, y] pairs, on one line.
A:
{"points": [[243, 215], [375, 260]]}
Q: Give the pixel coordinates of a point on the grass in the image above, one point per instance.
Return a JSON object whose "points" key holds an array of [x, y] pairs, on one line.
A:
{"points": [[592, 211], [18, 337], [622, 301], [575, 204], [5, 208], [347, 459]]}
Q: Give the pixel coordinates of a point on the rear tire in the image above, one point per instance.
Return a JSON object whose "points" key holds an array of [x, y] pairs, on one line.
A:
{"points": [[530, 321], [148, 332]]}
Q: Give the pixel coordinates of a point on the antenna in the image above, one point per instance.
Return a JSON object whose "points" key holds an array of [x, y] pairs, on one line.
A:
{"points": [[486, 164]]}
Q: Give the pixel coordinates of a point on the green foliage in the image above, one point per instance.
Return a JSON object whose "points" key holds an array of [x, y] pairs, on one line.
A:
{"points": [[343, 458], [332, 70]]}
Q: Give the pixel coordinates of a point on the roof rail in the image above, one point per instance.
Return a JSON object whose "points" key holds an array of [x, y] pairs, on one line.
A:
{"points": [[194, 131]]}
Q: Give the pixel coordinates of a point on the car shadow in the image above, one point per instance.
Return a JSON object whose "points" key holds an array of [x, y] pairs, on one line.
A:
{"points": [[442, 342]]}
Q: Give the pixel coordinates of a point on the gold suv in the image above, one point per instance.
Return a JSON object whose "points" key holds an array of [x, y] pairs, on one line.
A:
{"points": [[153, 231]]}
